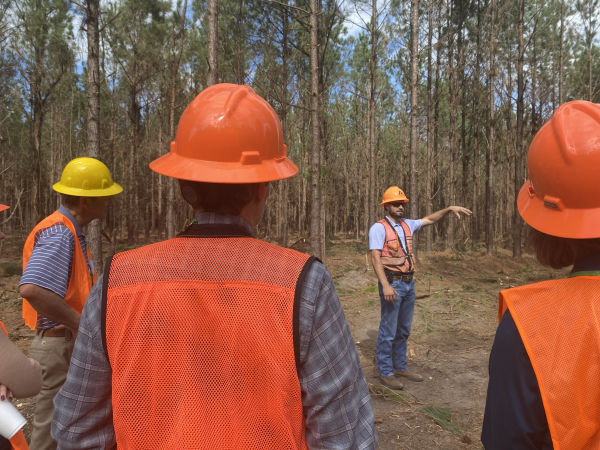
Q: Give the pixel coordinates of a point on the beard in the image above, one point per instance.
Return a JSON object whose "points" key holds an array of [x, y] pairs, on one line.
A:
{"points": [[396, 215]]}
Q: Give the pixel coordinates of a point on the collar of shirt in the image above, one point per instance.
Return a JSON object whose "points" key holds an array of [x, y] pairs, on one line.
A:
{"points": [[396, 224], [590, 263], [214, 218], [65, 212]]}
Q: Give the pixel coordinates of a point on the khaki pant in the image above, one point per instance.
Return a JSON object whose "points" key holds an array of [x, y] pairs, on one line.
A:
{"points": [[54, 355]]}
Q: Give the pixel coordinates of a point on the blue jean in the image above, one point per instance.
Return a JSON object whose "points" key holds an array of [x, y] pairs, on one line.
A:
{"points": [[394, 327]]}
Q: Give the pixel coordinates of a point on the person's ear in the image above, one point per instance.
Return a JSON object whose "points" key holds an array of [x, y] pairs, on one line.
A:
{"points": [[262, 191], [188, 193], [83, 203]]}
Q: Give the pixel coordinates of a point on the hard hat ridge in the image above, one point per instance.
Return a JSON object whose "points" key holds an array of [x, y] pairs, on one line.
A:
{"points": [[234, 100]]}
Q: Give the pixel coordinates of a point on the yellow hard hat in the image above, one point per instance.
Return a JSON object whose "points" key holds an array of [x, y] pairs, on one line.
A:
{"points": [[393, 194], [86, 177]]}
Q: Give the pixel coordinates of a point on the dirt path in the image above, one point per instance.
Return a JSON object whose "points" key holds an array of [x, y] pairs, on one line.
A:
{"points": [[453, 329]]}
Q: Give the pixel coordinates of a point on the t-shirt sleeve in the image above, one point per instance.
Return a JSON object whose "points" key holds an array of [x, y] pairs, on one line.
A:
{"points": [[50, 263], [376, 236], [414, 225]]}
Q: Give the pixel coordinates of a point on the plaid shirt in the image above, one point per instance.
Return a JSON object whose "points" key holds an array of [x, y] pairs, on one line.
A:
{"points": [[335, 397]]}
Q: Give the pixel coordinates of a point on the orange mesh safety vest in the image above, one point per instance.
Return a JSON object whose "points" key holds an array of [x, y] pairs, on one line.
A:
{"points": [[80, 282], [18, 441], [199, 334], [393, 256], [559, 323]]}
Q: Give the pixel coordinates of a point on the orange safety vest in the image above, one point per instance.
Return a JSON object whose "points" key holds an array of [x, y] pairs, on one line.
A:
{"points": [[18, 441], [199, 335], [393, 255], [558, 323], [80, 282]]}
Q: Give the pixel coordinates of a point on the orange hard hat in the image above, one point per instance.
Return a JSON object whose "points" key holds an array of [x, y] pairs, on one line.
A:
{"points": [[3, 207], [227, 134], [560, 198], [393, 194]]}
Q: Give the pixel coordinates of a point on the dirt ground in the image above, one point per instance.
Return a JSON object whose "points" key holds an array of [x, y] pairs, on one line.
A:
{"points": [[453, 330]]}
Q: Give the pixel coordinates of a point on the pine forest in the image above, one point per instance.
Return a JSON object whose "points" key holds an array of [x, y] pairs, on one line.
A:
{"points": [[439, 97]]}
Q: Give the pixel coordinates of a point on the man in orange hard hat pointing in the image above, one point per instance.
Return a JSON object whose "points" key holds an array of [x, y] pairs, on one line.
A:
{"points": [[216, 339], [390, 242]]}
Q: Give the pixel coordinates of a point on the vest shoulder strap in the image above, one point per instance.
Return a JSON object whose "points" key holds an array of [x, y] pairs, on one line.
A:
{"points": [[407, 233], [408, 253]]}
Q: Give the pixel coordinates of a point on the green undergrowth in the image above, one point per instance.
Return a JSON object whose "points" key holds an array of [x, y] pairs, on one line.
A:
{"points": [[442, 417], [383, 392]]}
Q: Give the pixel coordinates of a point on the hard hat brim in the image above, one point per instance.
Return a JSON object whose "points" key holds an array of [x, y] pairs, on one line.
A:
{"points": [[562, 222], [175, 166], [114, 189], [392, 201]]}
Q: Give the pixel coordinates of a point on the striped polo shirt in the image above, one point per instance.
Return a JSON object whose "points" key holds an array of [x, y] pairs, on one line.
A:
{"points": [[51, 261]]}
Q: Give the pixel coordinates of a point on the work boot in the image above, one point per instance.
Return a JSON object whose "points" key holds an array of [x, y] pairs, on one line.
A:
{"points": [[391, 382], [412, 376]]}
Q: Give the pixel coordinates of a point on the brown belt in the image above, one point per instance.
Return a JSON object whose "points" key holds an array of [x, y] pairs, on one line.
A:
{"points": [[406, 277], [54, 332]]}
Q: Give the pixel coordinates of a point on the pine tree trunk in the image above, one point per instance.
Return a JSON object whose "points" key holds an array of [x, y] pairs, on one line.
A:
{"points": [[372, 112], [94, 232], [240, 63], [414, 67], [452, 130], [315, 113], [430, 128], [517, 224], [171, 226], [489, 157], [561, 52], [284, 185], [475, 117], [212, 42]]}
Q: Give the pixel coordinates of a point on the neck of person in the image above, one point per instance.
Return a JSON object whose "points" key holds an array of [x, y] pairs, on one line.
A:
{"points": [[247, 215], [79, 216], [394, 221]]}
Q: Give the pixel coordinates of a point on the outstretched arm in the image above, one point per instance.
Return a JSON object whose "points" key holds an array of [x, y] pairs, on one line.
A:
{"points": [[434, 217]]}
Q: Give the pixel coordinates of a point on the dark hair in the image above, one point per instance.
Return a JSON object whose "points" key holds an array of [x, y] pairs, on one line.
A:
{"points": [[560, 252], [70, 200], [218, 197]]}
